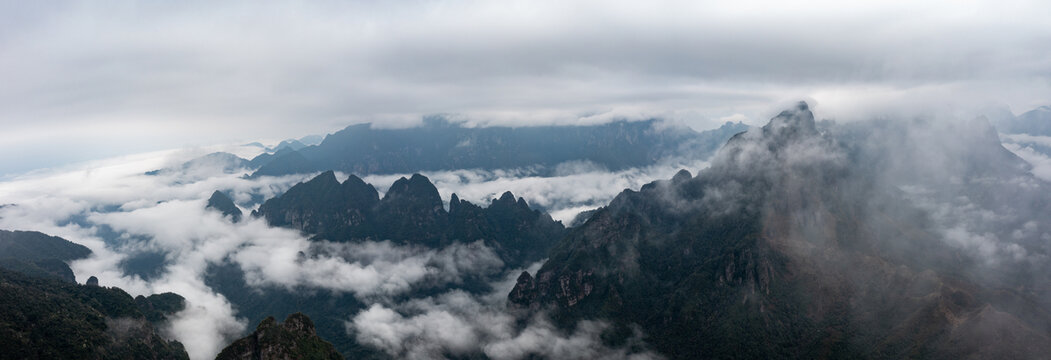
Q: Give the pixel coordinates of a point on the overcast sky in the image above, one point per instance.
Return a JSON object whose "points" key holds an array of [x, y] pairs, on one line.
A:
{"points": [[83, 80]]}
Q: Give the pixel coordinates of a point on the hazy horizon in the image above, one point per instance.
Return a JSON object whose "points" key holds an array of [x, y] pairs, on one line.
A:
{"points": [[856, 205], [91, 80]]}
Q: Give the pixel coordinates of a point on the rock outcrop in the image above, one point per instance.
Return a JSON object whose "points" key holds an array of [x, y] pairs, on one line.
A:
{"points": [[294, 339], [411, 212], [222, 203]]}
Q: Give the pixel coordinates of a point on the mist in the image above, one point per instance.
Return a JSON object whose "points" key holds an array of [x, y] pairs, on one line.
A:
{"points": [[121, 214]]}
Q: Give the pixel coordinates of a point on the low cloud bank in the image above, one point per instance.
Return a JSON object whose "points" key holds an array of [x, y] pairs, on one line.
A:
{"points": [[457, 323], [577, 186], [120, 213]]}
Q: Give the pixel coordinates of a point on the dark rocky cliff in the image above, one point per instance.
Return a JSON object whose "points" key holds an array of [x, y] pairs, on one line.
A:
{"points": [[411, 212], [785, 248]]}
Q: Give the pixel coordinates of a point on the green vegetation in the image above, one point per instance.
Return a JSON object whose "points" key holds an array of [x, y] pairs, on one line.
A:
{"points": [[293, 339], [37, 254], [42, 318]]}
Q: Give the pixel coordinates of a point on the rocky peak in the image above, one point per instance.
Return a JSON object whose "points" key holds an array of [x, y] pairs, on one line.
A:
{"points": [[323, 187], [326, 179], [524, 292], [790, 139], [507, 197], [267, 323], [454, 204], [681, 176], [791, 123], [299, 323], [222, 203], [506, 200], [411, 212], [293, 339], [417, 189], [307, 206], [158, 308], [359, 193]]}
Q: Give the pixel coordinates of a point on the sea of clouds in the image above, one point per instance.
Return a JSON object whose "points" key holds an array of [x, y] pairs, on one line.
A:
{"points": [[115, 209]]}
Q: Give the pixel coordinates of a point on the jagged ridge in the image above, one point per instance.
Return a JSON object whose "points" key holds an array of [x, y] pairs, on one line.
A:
{"points": [[784, 248], [411, 212]]}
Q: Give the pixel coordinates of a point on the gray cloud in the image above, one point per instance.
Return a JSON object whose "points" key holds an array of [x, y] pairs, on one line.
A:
{"points": [[85, 80], [366, 269], [457, 323], [167, 212], [1041, 162], [969, 227]]}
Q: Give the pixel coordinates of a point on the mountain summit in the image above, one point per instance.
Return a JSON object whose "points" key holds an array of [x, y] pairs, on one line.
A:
{"points": [[293, 339], [222, 203], [411, 212], [786, 247]]}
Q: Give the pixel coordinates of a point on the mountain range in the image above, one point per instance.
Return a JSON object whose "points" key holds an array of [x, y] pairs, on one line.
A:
{"points": [[440, 145], [906, 238], [411, 213]]}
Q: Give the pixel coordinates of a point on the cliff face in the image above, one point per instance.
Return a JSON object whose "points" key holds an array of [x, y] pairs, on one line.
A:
{"points": [[785, 247], [411, 212], [294, 339]]}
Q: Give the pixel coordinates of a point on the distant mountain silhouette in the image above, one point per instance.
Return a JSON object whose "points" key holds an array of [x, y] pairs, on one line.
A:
{"points": [[1033, 122], [439, 145]]}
